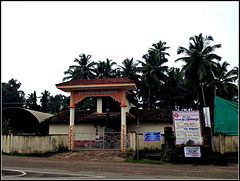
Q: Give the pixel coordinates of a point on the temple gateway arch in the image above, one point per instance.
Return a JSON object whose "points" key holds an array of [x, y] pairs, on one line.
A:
{"points": [[113, 87]]}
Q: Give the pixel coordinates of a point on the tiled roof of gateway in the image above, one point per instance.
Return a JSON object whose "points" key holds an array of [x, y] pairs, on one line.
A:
{"points": [[96, 81], [112, 115]]}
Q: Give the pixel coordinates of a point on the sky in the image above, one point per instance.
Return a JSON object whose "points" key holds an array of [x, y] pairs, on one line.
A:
{"points": [[41, 39]]}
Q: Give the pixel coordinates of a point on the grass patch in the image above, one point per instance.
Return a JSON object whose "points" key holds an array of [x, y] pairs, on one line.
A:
{"points": [[146, 161], [46, 155]]}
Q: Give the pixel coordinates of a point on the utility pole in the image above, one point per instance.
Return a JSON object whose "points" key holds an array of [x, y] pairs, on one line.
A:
{"points": [[137, 139]]}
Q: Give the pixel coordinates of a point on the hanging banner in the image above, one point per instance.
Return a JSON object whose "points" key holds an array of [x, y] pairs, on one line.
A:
{"points": [[187, 126]]}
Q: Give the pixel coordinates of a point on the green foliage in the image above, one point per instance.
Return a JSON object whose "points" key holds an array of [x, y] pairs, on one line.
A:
{"points": [[57, 103], [190, 142], [163, 87], [45, 100], [153, 72], [31, 102], [83, 70], [199, 63], [6, 129], [105, 69], [11, 95], [87, 103]]}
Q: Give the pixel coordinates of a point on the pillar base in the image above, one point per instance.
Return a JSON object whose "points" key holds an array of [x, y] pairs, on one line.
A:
{"points": [[123, 138], [71, 137]]}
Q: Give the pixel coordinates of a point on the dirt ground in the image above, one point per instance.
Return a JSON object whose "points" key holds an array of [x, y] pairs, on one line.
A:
{"points": [[100, 155]]}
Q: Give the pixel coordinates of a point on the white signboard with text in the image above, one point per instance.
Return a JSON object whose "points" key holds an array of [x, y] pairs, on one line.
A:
{"points": [[192, 151], [187, 126]]}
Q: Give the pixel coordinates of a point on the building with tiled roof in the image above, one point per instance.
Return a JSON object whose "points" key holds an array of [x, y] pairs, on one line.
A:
{"points": [[150, 120]]}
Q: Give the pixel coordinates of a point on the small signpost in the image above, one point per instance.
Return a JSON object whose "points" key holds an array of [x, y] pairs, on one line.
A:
{"points": [[152, 136]]}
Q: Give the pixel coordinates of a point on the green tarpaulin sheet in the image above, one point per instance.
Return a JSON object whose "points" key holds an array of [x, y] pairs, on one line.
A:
{"points": [[225, 116]]}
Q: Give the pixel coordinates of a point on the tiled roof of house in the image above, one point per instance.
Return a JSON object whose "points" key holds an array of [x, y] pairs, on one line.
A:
{"points": [[145, 115], [64, 117], [96, 81], [157, 115]]}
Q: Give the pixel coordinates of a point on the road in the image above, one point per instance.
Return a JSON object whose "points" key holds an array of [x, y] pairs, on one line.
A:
{"points": [[77, 168]]}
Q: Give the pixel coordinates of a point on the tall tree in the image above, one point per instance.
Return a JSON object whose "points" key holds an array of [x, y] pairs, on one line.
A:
{"points": [[11, 95], [199, 61], [84, 69], [224, 82], [31, 102], [160, 47], [153, 70], [56, 104], [173, 92], [105, 69], [45, 100], [129, 69]]}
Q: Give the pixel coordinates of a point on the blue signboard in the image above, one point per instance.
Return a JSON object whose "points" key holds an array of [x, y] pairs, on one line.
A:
{"points": [[151, 136]]}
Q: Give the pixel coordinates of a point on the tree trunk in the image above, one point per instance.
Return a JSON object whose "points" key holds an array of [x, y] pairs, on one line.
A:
{"points": [[215, 89], [149, 94], [204, 102], [197, 98]]}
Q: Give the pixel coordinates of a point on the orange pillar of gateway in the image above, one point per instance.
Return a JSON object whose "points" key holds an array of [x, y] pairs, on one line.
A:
{"points": [[114, 87]]}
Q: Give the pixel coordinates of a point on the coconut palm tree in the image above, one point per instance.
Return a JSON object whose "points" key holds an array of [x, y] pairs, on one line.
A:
{"points": [[160, 48], [224, 81], [73, 72], [84, 69], [129, 69], [199, 61], [153, 71], [173, 91], [45, 100], [105, 69]]}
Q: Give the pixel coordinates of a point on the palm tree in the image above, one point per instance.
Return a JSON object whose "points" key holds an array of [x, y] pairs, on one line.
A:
{"points": [[45, 100], [173, 91], [224, 81], [31, 102], [104, 69], [153, 71], [109, 67], [84, 69], [73, 72], [160, 48], [199, 61], [129, 69]]}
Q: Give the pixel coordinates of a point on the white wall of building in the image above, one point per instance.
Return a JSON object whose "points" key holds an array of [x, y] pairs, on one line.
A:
{"points": [[59, 128]]}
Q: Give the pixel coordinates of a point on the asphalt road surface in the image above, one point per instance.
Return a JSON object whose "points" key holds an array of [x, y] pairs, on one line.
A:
{"points": [[79, 165]]}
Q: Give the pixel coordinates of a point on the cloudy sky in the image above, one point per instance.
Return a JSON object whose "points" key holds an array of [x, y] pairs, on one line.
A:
{"points": [[40, 40]]}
